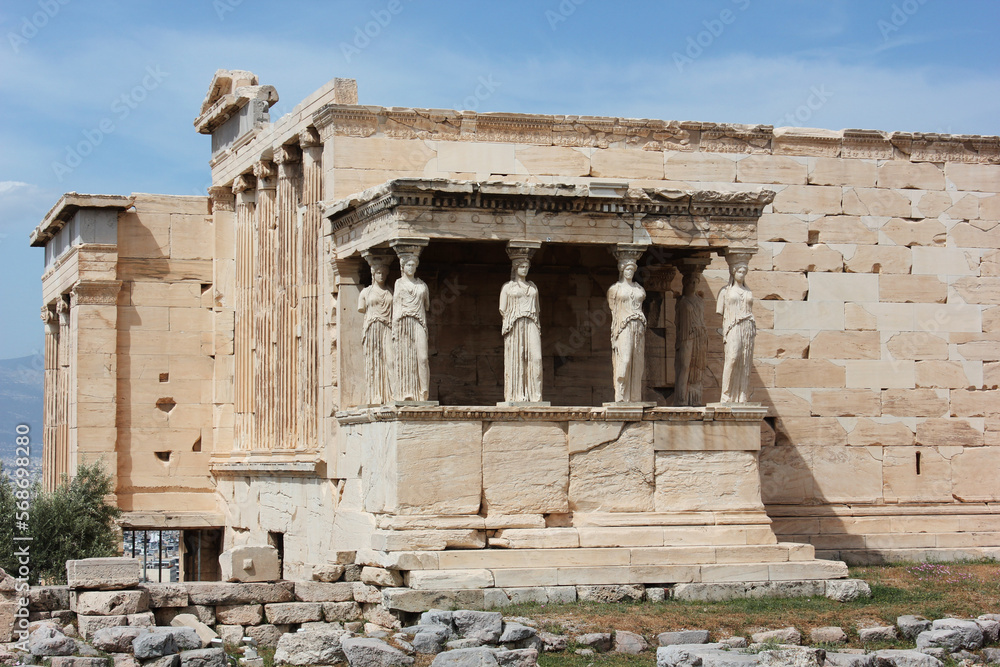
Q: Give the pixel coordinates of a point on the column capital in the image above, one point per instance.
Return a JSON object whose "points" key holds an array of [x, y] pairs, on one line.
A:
{"points": [[737, 256], [244, 182], [377, 257], [409, 246], [265, 171], [222, 198], [309, 138], [522, 249]]}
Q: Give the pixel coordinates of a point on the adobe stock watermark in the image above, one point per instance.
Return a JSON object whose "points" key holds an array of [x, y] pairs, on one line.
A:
{"points": [[32, 24], [704, 39], [21, 480], [121, 108], [818, 96], [223, 7], [363, 35], [487, 86], [563, 11], [898, 17]]}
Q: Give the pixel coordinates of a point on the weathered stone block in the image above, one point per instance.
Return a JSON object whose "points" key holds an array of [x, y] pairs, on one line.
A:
{"points": [[525, 468], [250, 563], [898, 174], [611, 473], [109, 603], [242, 614], [687, 481], [285, 613], [318, 591], [103, 573], [243, 593], [88, 625], [165, 595]]}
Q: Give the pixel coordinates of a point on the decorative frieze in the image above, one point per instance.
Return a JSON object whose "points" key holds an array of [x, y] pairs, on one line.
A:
{"points": [[96, 293]]}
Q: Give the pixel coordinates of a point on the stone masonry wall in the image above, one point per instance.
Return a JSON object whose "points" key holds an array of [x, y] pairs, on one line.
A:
{"points": [[165, 355], [878, 287]]}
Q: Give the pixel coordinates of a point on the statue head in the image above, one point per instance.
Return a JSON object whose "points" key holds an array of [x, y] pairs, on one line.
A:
{"points": [[519, 268], [738, 272], [408, 263], [627, 268]]}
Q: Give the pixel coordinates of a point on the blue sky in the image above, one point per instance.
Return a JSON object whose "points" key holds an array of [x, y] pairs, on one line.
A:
{"points": [[126, 79]]}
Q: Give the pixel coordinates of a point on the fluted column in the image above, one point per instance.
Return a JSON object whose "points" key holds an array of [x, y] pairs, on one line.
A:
{"points": [[49, 425], [243, 335], [265, 368], [286, 302], [61, 453], [311, 234]]}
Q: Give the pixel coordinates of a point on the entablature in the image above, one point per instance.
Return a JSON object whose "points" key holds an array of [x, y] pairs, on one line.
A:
{"points": [[552, 213]]}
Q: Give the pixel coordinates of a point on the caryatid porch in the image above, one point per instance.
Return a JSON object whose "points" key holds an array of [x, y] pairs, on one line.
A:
{"points": [[584, 491]]}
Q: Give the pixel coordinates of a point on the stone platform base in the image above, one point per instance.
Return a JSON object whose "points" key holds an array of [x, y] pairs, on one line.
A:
{"points": [[408, 600], [928, 555], [658, 566]]}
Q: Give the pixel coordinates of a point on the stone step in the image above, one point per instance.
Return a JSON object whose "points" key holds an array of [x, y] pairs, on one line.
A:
{"points": [[472, 559], [476, 578]]}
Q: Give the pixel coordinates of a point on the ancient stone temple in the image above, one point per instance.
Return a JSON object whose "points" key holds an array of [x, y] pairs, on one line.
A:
{"points": [[497, 351]]}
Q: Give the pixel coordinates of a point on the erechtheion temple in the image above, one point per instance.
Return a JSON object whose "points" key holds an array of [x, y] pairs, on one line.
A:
{"points": [[487, 351]]}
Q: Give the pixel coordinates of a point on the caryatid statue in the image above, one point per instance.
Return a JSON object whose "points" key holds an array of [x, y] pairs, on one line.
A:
{"points": [[628, 326], [375, 301], [691, 340], [410, 302], [735, 304], [522, 331]]}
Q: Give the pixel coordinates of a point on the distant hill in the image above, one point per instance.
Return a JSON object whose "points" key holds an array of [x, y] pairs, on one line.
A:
{"points": [[21, 402]]}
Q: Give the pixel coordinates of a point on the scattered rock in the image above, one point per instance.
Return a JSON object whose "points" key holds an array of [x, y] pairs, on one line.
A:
{"points": [[905, 658], [309, 648], [185, 638], [172, 660], [367, 652], [629, 642], [599, 641], [466, 657], [850, 659], [911, 626], [471, 642], [124, 660], [204, 657], [991, 656], [552, 642], [990, 628], [151, 645], [883, 633], [964, 656], [77, 661], [521, 657], [846, 590], [428, 643], [948, 640], [47, 641], [205, 633], [734, 642], [682, 637], [484, 625], [437, 617], [828, 635], [515, 632], [116, 640], [783, 636], [972, 634], [692, 655], [799, 656]]}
